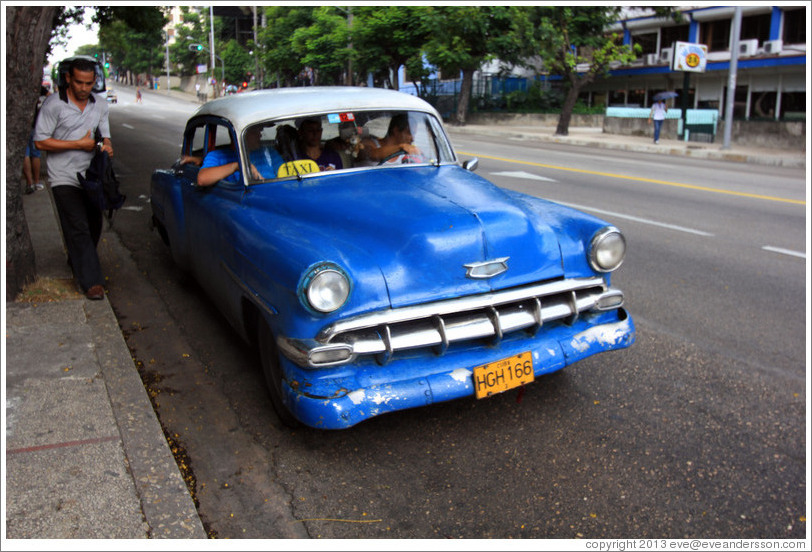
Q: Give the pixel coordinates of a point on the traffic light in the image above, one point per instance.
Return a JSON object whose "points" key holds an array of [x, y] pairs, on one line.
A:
{"points": [[198, 47]]}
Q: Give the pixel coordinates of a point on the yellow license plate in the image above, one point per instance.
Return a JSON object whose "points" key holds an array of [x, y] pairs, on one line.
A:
{"points": [[502, 375]]}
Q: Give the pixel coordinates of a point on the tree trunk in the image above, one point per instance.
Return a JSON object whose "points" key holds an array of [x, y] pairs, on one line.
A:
{"points": [[28, 30], [395, 78], [563, 127], [465, 95]]}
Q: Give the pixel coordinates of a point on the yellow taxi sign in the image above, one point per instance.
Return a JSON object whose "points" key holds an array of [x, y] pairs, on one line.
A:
{"points": [[297, 168]]}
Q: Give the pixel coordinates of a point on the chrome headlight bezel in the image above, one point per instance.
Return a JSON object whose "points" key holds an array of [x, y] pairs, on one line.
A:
{"points": [[324, 288], [607, 250]]}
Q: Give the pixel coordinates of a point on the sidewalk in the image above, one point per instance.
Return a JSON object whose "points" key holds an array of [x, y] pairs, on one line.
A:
{"points": [[85, 454]]}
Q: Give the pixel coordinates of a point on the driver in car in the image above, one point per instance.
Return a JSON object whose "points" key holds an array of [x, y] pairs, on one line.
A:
{"points": [[398, 139]]}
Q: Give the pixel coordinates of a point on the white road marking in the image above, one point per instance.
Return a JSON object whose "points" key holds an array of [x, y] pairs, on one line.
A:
{"points": [[640, 220], [522, 174], [784, 251], [125, 125]]}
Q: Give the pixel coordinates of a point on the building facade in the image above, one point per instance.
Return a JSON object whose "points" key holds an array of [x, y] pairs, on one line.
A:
{"points": [[771, 68]]}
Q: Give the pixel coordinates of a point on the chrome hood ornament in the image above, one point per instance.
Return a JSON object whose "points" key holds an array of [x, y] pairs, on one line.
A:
{"points": [[486, 269]]}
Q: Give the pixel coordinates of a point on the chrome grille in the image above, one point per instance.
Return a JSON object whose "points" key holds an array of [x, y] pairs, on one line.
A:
{"points": [[438, 325]]}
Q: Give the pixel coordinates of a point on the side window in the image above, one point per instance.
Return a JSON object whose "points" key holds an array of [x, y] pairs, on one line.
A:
{"points": [[197, 141], [222, 137]]}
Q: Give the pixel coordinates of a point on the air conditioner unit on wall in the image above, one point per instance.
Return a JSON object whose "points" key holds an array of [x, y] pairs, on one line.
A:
{"points": [[652, 59], [773, 46], [748, 47], [666, 54]]}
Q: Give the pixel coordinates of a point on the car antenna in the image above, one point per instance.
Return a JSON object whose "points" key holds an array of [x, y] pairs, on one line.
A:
{"points": [[295, 168]]}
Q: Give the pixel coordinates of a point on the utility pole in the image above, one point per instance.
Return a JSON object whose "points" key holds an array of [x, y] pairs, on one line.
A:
{"points": [[256, 47], [731, 79], [211, 44], [167, 63], [349, 59]]}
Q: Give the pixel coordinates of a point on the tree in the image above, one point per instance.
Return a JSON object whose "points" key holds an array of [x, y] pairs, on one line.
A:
{"points": [[385, 39], [279, 57], [28, 30], [133, 37], [237, 62], [463, 38], [322, 45], [573, 43]]}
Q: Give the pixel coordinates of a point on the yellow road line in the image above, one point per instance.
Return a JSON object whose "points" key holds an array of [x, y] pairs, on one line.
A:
{"points": [[641, 179]]}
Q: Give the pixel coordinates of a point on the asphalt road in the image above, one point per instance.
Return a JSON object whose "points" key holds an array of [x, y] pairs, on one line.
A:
{"points": [[698, 430]]}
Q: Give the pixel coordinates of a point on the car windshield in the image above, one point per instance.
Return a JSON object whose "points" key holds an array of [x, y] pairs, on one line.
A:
{"points": [[339, 141]]}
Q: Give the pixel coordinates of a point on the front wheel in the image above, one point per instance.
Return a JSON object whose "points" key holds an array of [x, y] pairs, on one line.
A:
{"points": [[269, 358]]}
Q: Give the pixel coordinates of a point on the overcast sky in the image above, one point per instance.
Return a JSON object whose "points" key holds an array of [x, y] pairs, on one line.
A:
{"points": [[78, 35]]}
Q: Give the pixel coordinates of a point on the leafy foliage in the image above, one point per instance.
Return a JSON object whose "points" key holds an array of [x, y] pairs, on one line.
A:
{"points": [[132, 37], [386, 39], [193, 30], [237, 62], [279, 58], [326, 45], [323, 45], [463, 38]]}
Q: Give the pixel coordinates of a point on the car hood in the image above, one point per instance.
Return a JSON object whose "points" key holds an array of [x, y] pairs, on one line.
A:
{"points": [[420, 226]]}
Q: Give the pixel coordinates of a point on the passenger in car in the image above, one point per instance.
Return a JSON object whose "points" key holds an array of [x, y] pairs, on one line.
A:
{"points": [[310, 131], [398, 138], [348, 144], [223, 164]]}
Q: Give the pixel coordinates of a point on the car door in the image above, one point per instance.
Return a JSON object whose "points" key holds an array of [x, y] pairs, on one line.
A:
{"points": [[211, 212]]}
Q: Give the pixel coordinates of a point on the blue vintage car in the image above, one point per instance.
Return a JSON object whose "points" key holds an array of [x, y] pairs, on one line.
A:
{"points": [[379, 273]]}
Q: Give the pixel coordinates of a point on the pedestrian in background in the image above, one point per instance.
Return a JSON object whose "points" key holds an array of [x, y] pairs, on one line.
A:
{"points": [[65, 129], [657, 114], [31, 162]]}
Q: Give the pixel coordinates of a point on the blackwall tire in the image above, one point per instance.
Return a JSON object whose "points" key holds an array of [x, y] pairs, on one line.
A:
{"points": [[269, 358]]}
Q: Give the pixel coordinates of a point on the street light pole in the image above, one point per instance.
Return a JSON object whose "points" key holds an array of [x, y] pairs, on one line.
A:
{"points": [[731, 78], [349, 59], [167, 63], [211, 45], [256, 47]]}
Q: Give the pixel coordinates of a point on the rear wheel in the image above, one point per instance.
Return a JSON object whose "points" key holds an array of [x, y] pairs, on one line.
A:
{"points": [[269, 358]]}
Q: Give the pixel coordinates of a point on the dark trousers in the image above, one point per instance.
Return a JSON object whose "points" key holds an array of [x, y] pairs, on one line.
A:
{"points": [[81, 227]]}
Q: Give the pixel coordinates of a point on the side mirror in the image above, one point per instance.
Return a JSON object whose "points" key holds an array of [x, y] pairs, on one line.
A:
{"points": [[470, 164]]}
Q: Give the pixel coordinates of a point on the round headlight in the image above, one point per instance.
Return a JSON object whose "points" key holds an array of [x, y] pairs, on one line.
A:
{"points": [[327, 289], [607, 250]]}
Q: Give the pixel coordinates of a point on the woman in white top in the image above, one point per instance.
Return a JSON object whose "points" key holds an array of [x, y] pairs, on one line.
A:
{"points": [[658, 111]]}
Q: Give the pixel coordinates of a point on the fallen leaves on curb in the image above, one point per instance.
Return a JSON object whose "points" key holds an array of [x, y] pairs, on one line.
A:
{"points": [[48, 290]]}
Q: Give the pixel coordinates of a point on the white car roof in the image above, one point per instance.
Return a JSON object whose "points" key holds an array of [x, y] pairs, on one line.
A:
{"points": [[247, 108]]}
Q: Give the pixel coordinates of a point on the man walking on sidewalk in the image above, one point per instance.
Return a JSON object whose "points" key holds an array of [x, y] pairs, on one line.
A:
{"points": [[65, 129]]}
